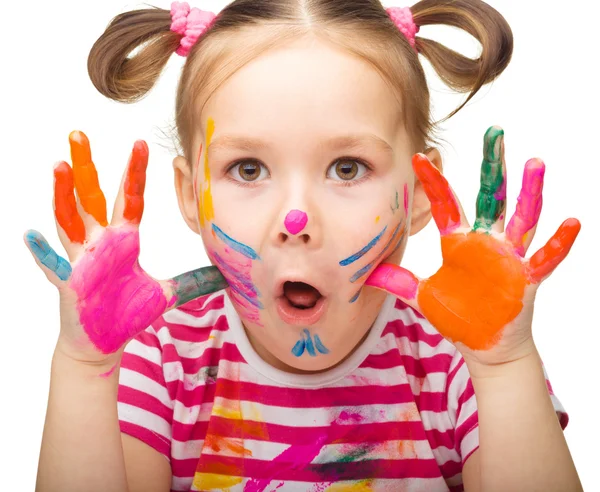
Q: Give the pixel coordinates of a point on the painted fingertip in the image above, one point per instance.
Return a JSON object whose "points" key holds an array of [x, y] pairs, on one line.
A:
{"points": [[46, 255], [493, 143]]}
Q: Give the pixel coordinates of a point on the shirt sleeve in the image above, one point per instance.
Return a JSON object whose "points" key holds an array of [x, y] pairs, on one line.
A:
{"points": [[462, 407], [145, 407]]}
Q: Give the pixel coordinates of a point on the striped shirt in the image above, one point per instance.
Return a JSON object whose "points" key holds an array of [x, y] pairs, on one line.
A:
{"points": [[398, 414]]}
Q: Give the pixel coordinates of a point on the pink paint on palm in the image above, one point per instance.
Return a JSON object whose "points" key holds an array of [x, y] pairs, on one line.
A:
{"points": [[296, 457], [116, 298], [529, 205], [295, 221], [394, 279], [406, 199]]}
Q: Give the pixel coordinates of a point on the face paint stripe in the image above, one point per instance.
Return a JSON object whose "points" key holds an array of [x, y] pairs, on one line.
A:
{"points": [[250, 296], [135, 183], [491, 199], [444, 208], [360, 273], [247, 251], [206, 194], [406, 199], [355, 296], [529, 205], [65, 207], [544, 261], [320, 347], [196, 283], [352, 258], [47, 256], [298, 348], [86, 178], [310, 348]]}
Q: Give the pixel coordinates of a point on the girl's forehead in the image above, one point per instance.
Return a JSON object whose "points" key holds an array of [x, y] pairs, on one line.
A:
{"points": [[305, 84]]}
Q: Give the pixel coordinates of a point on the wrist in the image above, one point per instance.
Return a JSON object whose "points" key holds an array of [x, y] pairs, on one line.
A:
{"points": [[67, 359], [527, 361]]}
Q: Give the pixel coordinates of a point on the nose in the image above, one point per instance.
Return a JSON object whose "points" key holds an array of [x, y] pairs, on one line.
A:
{"points": [[297, 226]]}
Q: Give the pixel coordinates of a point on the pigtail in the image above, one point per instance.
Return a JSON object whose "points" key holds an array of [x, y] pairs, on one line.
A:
{"points": [[128, 79], [484, 23]]}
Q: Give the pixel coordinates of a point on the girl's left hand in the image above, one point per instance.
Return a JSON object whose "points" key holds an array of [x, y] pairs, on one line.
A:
{"points": [[481, 299]]}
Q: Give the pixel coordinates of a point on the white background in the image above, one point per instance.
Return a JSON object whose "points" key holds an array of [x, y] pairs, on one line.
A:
{"points": [[547, 102]]}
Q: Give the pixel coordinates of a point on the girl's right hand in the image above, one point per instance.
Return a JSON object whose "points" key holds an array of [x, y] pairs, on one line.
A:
{"points": [[106, 298]]}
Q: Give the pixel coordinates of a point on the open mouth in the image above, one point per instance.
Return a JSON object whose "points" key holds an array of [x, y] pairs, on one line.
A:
{"points": [[300, 303]]}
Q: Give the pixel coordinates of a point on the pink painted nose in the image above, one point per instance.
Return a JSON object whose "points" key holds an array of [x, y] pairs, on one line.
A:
{"points": [[295, 221]]}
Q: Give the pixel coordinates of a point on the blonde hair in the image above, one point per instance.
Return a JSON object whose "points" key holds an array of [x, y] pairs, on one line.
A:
{"points": [[362, 27]]}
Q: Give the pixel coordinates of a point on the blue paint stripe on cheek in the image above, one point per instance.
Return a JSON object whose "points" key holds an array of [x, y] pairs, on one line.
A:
{"points": [[247, 251], [355, 296], [47, 256], [364, 251]]}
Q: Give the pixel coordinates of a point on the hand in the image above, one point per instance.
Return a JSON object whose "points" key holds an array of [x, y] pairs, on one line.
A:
{"points": [[106, 298], [481, 299]]}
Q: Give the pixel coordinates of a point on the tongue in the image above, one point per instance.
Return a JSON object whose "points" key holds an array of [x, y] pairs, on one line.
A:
{"points": [[300, 294]]}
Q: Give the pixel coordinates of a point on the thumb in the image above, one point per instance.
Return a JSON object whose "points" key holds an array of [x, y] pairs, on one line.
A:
{"points": [[57, 269], [191, 285], [397, 281]]}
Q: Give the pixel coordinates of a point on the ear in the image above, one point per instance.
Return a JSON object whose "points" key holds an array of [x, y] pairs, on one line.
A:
{"points": [[421, 207], [186, 197]]}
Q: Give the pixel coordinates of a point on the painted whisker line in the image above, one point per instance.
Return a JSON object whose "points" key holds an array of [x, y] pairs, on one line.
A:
{"points": [[364, 270], [245, 250], [352, 258], [306, 344], [355, 296], [242, 279]]}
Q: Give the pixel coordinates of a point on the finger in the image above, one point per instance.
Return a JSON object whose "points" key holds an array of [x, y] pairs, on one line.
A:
{"points": [[397, 281], [193, 284], [543, 263], [522, 225], [56, 268], [491, 200], [130, 202], [87, 186], [445, 207], [69, 223]]}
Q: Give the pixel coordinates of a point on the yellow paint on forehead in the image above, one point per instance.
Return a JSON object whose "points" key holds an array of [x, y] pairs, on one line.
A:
{"points": [[205, 205]]}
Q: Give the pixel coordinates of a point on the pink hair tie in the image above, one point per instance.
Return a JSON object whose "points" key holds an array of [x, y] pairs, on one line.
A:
{"points": [[403, 18], [190, 23]]}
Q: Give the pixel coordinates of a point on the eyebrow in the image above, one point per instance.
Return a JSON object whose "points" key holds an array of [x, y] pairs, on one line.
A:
{"points": [[335, 143]]}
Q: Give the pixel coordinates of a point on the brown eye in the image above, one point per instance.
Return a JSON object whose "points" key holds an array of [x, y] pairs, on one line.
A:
{"points": [[346, 170], [248, 171]]}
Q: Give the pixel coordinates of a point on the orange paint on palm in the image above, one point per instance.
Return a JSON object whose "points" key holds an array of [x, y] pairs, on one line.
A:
{"points": [[86, 178], [135, 182], [206, 202], [477, 291], [65, 207]]}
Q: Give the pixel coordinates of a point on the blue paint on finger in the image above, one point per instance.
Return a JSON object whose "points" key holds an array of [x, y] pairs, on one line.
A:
{"points": [[47, 256]]}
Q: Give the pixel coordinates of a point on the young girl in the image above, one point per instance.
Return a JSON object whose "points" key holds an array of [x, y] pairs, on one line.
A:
{"points": [[305, 359]]}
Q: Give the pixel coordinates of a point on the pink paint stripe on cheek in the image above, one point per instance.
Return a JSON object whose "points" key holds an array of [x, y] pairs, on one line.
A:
{"points": [[406, 199], [295, 221]]}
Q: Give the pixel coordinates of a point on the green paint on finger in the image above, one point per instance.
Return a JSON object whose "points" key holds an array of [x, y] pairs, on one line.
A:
{"points": [[491, 200]]}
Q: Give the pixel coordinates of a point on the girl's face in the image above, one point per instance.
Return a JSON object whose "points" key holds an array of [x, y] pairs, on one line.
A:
{"points": [[302, 185]]}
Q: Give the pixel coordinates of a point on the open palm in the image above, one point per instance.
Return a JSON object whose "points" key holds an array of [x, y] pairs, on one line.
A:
{"points": [[481, 298]]}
